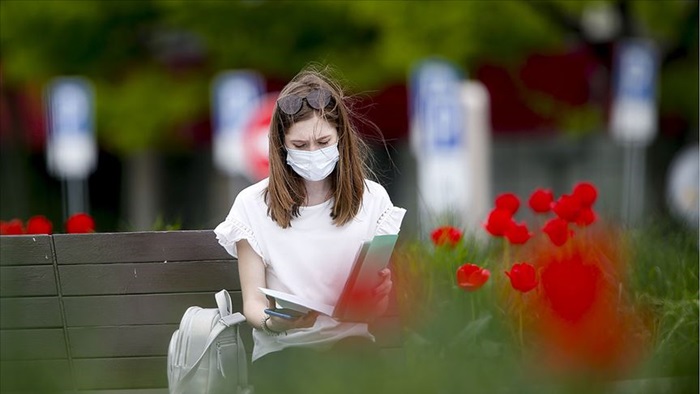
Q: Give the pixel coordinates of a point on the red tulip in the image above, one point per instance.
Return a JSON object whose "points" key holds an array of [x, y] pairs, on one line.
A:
{"points": [[586, 217], [498, 222], [518, 234], [13, 227], [471, 277], [508, 202], [80, 223], [446, 236], [558, 231], [39, 224], [523, 277], [586, 193], [541, 200], [571, 286], [568, 207]]}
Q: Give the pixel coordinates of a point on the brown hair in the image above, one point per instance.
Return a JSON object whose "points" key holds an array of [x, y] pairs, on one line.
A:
{"points": [[286, 191]]}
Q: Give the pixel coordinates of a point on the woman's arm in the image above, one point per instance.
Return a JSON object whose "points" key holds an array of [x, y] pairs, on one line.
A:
{"points": [[251, 271]]}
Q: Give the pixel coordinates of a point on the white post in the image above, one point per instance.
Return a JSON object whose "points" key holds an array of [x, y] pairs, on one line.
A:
{"points": [[478, 152]]}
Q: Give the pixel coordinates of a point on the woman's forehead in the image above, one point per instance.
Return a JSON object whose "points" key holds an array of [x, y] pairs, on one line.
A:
{"points": [[311, 128]]}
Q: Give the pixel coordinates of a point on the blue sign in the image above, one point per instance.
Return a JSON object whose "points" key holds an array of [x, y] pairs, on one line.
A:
{"points": [[436, 105], [70, 106], [71, 150], [633, 117], [635, 71], [236, 95]]}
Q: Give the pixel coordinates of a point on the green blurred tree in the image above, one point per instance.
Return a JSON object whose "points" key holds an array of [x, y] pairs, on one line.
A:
{"points": [[152, 60]]}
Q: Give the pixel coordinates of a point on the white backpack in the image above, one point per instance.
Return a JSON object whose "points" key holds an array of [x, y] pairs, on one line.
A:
{"points": [[206, 354]]}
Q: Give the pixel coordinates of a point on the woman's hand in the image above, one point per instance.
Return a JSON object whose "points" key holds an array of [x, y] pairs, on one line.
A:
{"points": [[380, 294]]}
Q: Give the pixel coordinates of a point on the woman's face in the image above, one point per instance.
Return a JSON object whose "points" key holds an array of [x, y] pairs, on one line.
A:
{"points": [[310, 134]]}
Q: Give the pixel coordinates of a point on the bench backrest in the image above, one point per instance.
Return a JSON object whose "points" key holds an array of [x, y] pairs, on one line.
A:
{"points": [[92, 312]]}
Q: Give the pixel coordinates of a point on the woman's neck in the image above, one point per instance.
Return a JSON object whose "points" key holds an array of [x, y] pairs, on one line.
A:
{"points": [[317, 192]]}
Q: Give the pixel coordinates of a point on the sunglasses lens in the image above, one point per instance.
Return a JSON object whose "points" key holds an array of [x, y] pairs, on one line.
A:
{"points": [[289, 104], [319, 98]]}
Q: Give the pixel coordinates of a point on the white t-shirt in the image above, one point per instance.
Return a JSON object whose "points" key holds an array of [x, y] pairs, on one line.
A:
{"points": [[311, 258]]}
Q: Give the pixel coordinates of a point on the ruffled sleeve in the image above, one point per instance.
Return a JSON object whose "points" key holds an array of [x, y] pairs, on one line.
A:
{"points": [[231, 231], [238, 225], [390, 221]]}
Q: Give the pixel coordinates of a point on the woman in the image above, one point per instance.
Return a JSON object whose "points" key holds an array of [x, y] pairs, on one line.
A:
{"points": [[299, 230]]}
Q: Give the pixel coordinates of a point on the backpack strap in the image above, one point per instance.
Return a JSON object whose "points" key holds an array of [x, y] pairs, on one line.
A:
{"points": [[223, 301]]}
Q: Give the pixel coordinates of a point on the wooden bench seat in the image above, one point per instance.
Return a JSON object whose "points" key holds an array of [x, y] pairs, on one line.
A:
{"points": [[94, 313]]}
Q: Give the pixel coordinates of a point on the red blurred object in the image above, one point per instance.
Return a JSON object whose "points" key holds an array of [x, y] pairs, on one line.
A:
{"points": [[255, 138], [388, 110], [585, 323], [518, 234], [558, 231], [471, 277], [39, 224], [570, 286], [541, 200], [508, 202], [523, 277], [567, 79], [586, 194], [446, 236], [586, 217], [80, 223], [498, 222], [13, 227], [568, 207]]}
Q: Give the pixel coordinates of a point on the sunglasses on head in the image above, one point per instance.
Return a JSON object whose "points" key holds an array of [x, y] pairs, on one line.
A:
{"points": [[317, 99]]}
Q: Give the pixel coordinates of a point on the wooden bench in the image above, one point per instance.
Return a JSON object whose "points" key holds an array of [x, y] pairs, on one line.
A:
{"points": [[94, 313]]}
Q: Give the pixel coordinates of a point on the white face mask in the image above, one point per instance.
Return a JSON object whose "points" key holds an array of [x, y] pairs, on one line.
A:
{"points": [[313, 165]]}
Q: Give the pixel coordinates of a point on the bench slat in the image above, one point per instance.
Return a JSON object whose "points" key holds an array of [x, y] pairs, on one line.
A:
{"points": [[40, 376], [124, 310], [135, 278], [34, 344], [121, 373], [124, 341], [25, 250], [134, 247], [33, 280], [35, 312]]}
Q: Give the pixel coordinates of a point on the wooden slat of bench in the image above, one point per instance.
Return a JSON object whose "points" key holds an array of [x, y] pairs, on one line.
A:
{"points": [[124, 310], [32, 280], [37, 376], [121, 373], [32, 344], [138, 247], [136, 278], [123, 341], [25, 250], [34, 312], [131, 341]]}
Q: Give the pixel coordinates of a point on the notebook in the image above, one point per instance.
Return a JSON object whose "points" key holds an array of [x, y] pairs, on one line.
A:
{"points": [[354, 302]]}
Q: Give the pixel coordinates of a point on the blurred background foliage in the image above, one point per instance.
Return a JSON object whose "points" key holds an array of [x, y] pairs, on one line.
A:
{"points": [[152, 61]]}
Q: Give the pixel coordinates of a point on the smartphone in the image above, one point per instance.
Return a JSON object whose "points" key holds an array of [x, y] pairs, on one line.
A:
{"points": [[289, 314]]}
